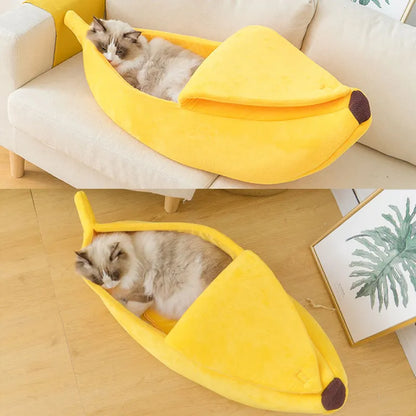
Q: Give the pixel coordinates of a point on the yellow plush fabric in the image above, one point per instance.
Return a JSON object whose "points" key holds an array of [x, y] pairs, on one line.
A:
{"points": [[66, 44], [275, 76], [244, 337], [256, 110]]}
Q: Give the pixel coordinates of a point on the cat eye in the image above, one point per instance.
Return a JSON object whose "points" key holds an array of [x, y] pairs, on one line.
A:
{"points": [[121, 51], [102, 48], [116, 256], [116, 252]]}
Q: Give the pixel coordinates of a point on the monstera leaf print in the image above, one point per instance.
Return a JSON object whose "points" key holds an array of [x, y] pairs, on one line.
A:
{"points": [[365, 2], [387, 259]]}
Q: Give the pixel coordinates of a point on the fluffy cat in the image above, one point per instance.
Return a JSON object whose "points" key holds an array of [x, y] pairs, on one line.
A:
{"points": [[166, 269], [158, 67]]}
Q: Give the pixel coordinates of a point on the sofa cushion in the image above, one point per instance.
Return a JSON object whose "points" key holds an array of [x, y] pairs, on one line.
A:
{"points": [[359, 167], [216, 19], [59, 110], [371, 51]]}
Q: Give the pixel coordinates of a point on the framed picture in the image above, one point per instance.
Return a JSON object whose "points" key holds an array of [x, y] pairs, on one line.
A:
{"points": [[368, 262], [397, 9]]}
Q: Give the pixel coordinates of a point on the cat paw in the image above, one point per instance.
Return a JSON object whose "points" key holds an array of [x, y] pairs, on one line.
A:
{"points": [[138, 308]]}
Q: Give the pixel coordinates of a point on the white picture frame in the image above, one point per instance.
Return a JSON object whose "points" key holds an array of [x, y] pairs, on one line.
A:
{"points": [[397, 9], [351, 263]]}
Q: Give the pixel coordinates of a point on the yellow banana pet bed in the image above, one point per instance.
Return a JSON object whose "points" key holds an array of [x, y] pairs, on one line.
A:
{"points": [[244, 337], [256, 110]]}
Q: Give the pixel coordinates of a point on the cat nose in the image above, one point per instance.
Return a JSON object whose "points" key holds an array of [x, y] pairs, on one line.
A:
{"points": [[112, 62]]}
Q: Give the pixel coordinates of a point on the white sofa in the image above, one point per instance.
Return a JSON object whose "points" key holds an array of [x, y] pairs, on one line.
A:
{"points": [[49, 117]]}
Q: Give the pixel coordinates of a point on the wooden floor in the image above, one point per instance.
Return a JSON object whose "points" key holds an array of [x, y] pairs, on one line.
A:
{"points": [[34, 178], [62, 353]]}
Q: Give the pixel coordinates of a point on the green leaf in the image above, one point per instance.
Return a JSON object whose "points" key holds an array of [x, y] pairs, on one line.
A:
{"points": [[367, 289], [379, 295], [358, 283], [380, 237], [385, 292], [413, 280], [367, 255], [361, 263], [397, 211], [403, 286], [387, 258], [366, 2], [387, 233], [410, 267], [372, 299], [371, 246], [393, 289], [360, 273]]}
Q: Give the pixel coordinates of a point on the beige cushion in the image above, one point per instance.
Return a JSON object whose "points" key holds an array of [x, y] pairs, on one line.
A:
{"points": [[216, 19], [359, 167], [366, 49], [59, 111], [74, 172]]}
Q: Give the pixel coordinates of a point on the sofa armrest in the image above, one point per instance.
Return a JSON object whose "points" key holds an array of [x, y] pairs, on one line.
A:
{"points": [[66, 44], [27, 41], [370, 51]]}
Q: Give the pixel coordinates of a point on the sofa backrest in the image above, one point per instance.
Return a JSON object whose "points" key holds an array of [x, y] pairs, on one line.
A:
{"points": [[216, 19], [368, 50]]}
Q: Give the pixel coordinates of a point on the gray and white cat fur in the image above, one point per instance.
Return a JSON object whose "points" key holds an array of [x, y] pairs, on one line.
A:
{"points": [[166, 269], [156, 67]]}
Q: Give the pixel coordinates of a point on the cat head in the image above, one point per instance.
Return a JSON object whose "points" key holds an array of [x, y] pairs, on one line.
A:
{"points": [[108, 261], [116, 40]]}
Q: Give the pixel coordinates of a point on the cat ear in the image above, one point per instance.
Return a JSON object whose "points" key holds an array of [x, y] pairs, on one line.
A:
{"points": [[82, 258], [98, 25], [133, 36], [115, 251]]}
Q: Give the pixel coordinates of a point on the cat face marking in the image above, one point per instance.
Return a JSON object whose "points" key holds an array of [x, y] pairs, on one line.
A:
{"points": [[117, 41], [106, 270], [83, 258]]}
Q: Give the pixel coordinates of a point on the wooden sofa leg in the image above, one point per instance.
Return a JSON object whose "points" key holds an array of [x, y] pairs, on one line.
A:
{"points": [[17, 165], [172, 204]]}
